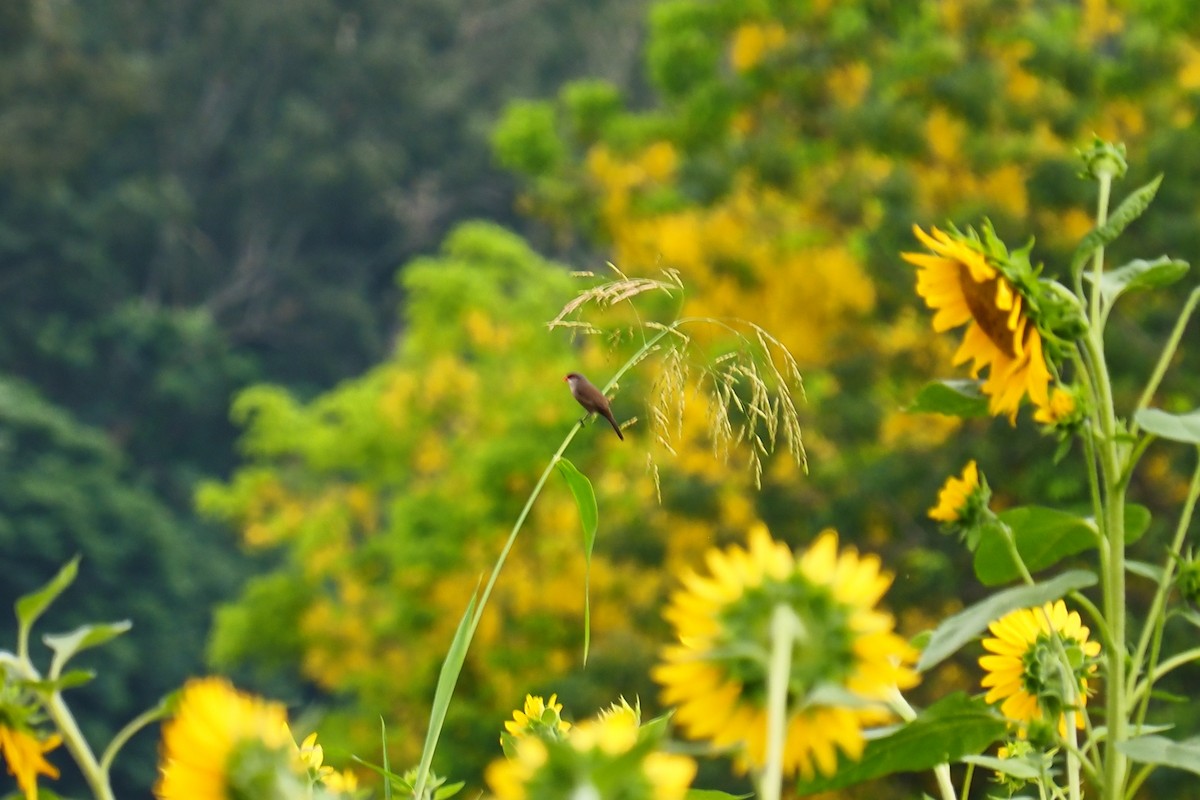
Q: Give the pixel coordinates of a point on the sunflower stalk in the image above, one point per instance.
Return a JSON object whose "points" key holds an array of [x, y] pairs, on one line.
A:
{"points": [[1111, 517], [786, 629], [95, 776]]}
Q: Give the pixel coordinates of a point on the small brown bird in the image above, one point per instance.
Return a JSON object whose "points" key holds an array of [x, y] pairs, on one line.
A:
{"points": [[592, 399]]}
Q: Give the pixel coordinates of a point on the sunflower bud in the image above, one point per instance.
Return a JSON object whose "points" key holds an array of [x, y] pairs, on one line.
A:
{"points": [[1103, 159], [541, 719], [1188, 579]]}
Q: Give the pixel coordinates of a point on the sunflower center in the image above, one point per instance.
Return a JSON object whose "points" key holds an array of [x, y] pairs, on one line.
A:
{"points": [[1043, 677], [824, 654], [981, 300]]}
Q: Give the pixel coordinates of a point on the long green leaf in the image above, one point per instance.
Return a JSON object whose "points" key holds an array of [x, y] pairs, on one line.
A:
{"points": [[964, 626], [1183, 755], [585, 499], [1176, 427], [452, 666], [589, 517], [954, 727], [32, 605], [1130, 209], [1045, 536]]}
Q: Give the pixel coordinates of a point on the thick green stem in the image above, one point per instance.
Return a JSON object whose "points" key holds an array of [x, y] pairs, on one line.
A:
{"points": [[1112, 522], [1073, 761], [1094, 315], [96, 777], [786, 627], [1114, 598], [942, 771], [1109, 454]]}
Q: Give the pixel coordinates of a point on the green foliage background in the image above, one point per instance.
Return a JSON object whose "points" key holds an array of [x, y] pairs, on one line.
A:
{"points": [[197, 198]]}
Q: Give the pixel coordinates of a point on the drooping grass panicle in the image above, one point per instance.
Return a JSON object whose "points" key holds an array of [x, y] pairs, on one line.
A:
{"points": [[610, 293], [750, 386]]}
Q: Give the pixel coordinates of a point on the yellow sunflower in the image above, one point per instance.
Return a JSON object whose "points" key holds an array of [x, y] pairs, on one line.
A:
{"points": [[1023, 664], [312, 758], [963, 287], [1061, 410], [216, 728], [608, 756], [955, 496], [25, 757], [716, 673], [538, 714]]}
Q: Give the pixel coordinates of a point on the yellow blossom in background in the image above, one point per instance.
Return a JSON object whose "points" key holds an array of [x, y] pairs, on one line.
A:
{"points": [[848, 84], [1099, 20], [955, 495], [24, 755], [214, 724], [752, 42], [659, 160], [959, 283], [1022, 665], [1188, 76], [717, 683], [945, 134]]}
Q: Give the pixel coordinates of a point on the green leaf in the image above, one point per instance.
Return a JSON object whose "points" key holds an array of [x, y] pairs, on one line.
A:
{"points": [[31, 606], [69, 680], [964, 626], [1141, 568], [452, 666], [1183, 755], [585, 499], [449, 790], [954, 398], [589, 515], [1176, 427], [1140, 274], [66, 645], [713, 794], [951, 728], [387, 784], [1130, 209], [1137, 522], [1044, 536]]}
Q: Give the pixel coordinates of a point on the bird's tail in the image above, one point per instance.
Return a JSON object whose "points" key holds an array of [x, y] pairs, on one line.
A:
{"points": [[612, 421]]}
